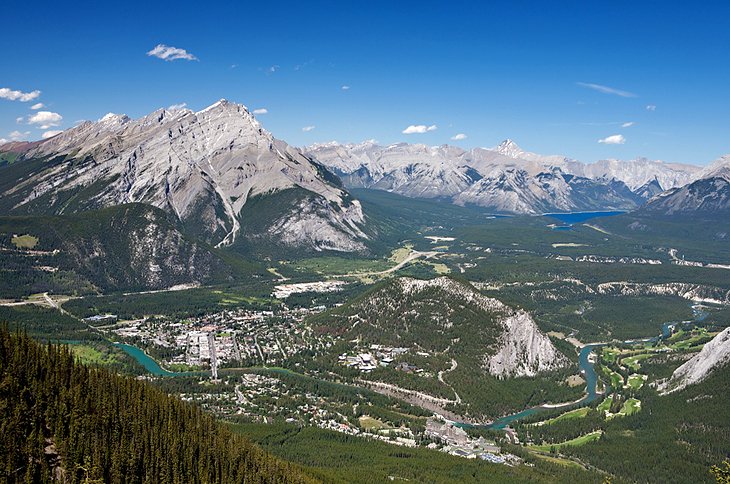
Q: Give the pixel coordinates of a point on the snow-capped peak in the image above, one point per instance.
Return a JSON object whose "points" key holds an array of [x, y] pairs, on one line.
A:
{"points": [[509, 148]]}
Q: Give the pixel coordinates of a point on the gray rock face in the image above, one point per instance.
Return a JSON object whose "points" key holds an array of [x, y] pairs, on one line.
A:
{"points": [[714, 355], [200, 166], [505, 178], [707, 196]]}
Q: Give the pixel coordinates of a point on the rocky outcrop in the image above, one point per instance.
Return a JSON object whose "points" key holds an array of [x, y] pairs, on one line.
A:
{"points": [[713, 356], [524, 350]]}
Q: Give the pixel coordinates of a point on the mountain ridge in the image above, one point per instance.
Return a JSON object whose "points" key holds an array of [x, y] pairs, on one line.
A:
{"points": [[505, 178], [200, 166]]}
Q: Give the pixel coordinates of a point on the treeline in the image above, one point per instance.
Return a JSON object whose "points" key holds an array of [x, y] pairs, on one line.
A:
{"points": [[60, 420], [194, 302]]}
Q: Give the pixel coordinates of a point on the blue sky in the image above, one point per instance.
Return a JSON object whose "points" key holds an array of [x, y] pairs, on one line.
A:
{"points": [[556, 77]]}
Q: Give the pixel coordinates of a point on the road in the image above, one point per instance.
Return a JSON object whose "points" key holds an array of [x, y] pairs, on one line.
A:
{"points": [[409, 258], [454, 364]]}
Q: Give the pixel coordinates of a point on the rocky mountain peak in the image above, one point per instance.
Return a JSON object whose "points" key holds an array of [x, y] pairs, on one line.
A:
{"points": [[509, 148], [203, 167]]}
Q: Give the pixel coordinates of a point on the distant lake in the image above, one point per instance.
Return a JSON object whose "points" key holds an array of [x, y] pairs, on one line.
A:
{"points": [[577, 217]]}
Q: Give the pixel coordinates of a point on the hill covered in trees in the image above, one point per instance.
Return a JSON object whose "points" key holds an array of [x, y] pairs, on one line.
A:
{"points": [[60, 420]]}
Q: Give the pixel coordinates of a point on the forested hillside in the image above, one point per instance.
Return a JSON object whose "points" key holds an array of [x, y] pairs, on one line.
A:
{"points": [[62, 420]]}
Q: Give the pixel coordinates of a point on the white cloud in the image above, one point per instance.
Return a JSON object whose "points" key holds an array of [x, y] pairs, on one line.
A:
{"points": [[307, 129], [419, 129], [272, 69], [19, 120], [3, 141], [168, 53], [51, 133], [177, 107], [261, 111], [17, 135], [11, 95], [628, 124], [606, 89], [651, 107], [458, 137], [37, 106], [345, 88], [616, 139], [45, 119]]}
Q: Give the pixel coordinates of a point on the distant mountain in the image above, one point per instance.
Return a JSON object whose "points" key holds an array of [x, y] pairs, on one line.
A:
{"points": [[713, 356], [709, 196], [503, 179], [202, 167], [649, 189]]}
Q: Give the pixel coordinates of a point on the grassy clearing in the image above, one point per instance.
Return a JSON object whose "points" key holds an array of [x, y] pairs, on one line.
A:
{"points": [[632, 362], [340, 265], [572, 414], [605, 405], [578, 441], [275, 272], [636, 381], [370, 423], [89, 355], [617, 381], [631, 406], [24, 241], [438, 267], [399, 255], [556, 460]]}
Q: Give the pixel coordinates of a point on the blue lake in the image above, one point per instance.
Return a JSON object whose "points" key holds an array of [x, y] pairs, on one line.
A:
{"points": [[577, 217]]}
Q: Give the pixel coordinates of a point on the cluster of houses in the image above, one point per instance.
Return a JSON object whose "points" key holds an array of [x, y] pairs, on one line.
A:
{"points": [[377, 355]]}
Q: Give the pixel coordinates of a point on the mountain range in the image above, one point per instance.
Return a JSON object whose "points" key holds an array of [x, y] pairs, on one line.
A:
{"points": [[504, 179], [227, 182]]}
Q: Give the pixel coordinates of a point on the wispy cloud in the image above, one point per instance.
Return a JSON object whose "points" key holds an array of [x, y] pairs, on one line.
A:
{"points": [[17, 135], [307, 129], [13, 95], [651, 107], [615, 139], [458, 137], [628, 124], [169, 53], [606, 89], [51, 133], [301, 66], [345, 88], [45, 119], [419, 129], [272, 69], [261, 111], [37, 106]]}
